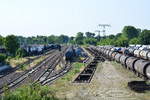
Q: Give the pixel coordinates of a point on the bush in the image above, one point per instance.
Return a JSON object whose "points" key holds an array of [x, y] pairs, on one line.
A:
{"points": [[134, 41], [122, 41], [21, 52], [145, 37], [2, 58], [30, 92]]}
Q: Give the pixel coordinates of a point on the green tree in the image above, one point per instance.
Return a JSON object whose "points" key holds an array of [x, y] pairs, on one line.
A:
{"points": [[2, 58], [11, 44], [52, 39], [134, 41], [106, 41], [1, 40], [63, 39], [21, 52], [79, 38], [118, 35], [130, 32], [111, 36], [122, 41], [91, 41], [90, 35], [72, 40], [145, 37]]}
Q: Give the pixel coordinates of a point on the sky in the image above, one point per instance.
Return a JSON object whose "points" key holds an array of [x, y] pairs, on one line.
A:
{"points": [[47, 17]]}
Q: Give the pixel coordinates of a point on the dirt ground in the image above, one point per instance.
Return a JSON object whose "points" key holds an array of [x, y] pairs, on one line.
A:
{"points": [[109, 83]]}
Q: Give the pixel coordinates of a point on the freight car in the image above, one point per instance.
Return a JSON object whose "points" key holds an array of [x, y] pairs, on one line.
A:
{"points": [[70, 54], [33, 50], [139, 66]]}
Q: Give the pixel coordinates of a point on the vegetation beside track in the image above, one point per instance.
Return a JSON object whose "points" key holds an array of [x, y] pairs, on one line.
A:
{"points": [[30, 92], [77, 67], [132, 77], [15, 61], [38, 92], [32, 64]]}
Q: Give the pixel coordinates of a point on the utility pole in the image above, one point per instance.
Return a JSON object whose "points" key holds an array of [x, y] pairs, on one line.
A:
{"points": [[103, 26], [99, 36]]}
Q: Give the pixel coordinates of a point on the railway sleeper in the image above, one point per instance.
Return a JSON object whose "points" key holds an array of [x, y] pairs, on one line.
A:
{"points": [[88, 71], [83, 78]]}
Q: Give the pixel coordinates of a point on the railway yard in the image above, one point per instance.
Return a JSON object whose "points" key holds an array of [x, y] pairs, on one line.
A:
{"points": [[106, 73]]}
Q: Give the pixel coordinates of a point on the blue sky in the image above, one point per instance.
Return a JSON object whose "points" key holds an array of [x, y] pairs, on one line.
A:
{"points": [[46, 17]]}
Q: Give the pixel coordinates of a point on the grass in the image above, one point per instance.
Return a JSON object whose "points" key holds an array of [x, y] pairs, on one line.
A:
{"points": [[30, 92], [64, 84], [77, 67], [38, 92], [131, 77], [122, 69], [16, 61], [27, 66]]}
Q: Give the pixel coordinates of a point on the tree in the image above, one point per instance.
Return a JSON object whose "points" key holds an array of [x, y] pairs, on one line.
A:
{"points": [[21, 52], [122, 41], [91, 41], [63, 39], [2, 58], [134, 41], [106, 41], [111, 36], [130, 32], [11, 44], [79, 38], [118, 35], [52, 39], [145, 37], [72, 40], [1, 40], [90, 35]]}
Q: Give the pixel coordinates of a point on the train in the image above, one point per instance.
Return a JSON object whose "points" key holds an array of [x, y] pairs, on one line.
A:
{"points": [[136, 64], [70, 54], [73, 52], [33, 50], [140, 52]]}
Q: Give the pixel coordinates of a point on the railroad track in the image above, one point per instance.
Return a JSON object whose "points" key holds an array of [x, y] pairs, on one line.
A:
{"points": [[25, 63], [67, 67], [57, 74], [11, 76], [51, 73], [23, 78], [86, 75], [50, 69]]}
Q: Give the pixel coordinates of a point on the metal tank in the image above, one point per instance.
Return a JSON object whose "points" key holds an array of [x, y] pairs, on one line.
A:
{"points": [[148, 55], [130, 63], [137, 53], [148, 71], [117, 57], [143, 54], [123, 59], [140, 66], [113, 55], [110, 55]]}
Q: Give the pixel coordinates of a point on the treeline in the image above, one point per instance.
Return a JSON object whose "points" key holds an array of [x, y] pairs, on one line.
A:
{"points": [[12, 44], [43, 39], [129, 35]]}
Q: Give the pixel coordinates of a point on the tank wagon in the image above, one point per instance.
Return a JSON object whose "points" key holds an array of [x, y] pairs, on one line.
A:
{"points": [[135, 63], [39, 49], [70, 53], [140, 52]]}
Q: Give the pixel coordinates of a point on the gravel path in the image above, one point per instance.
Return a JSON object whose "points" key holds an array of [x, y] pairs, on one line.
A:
{"points": [[109, 83]]}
